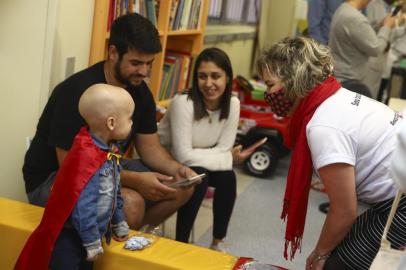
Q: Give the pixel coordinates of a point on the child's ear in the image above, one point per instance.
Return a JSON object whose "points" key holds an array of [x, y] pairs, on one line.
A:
{"points": [[111, 123]]}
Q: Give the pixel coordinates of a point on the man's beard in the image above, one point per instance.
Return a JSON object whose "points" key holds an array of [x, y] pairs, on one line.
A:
{"points": [[119, 76]]}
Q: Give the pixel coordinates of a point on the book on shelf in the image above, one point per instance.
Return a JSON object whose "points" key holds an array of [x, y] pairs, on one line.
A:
{"points": [[184, 64], [111, 13], [151, 14], [184, 14], [147, 8], [178, 15], [195, 15], [167, 71], [176, 72], [189, 80], [172, 13]]}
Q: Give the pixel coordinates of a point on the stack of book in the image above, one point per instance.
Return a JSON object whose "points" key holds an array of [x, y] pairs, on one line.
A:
{"points": [[184, 14], [177, 74], [147, 8]]}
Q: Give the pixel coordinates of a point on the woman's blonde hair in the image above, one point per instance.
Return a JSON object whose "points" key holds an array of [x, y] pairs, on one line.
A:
{"points": [[301, 63]]}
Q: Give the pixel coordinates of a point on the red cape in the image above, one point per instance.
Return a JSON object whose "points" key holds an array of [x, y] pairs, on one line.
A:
{"points": [[80, 164]]}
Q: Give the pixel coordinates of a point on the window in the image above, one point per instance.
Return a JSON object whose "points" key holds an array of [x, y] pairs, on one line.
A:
{"points": [[234, 11], [253, 11], [215, 10]]}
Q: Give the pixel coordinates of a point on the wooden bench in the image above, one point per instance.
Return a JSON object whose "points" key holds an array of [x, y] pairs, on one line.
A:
{"points": [[18, 220]]}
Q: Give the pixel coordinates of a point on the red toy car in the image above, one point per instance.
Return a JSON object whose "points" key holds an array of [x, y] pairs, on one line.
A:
{"points": [[257, 122]]}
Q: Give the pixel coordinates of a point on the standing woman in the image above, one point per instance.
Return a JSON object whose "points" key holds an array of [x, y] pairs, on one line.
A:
{"points": [[348, 140], [199, 129]]}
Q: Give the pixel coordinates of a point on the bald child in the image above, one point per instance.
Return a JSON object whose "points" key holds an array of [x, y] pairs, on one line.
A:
{"points": [[107, 111], [85, 203], [98, 212]]}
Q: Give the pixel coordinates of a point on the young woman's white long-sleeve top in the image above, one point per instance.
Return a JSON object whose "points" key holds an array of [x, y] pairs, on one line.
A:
{"points": [[205, 143]]}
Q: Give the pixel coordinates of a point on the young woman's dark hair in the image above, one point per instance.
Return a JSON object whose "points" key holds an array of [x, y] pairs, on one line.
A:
{"points": [[221, 60], [133, 31]]}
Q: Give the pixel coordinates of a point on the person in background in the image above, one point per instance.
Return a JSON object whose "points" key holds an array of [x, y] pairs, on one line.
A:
{"points": [[133, 44], [353, 40], [319, 15], [199, 129], [85, 203], [377, 11], [396, 52], [347, 139]]}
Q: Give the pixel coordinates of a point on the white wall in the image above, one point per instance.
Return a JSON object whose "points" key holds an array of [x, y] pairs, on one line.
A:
{"points": [[22, 55], [73, 35], [241, 62], [36, 38], [277, 21]]}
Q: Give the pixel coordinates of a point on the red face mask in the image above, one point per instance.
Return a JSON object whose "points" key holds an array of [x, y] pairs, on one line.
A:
{"points": [[280, 105]]}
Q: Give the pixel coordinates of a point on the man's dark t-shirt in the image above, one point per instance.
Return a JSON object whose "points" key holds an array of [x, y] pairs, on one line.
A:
{"points": [[60, 122]]}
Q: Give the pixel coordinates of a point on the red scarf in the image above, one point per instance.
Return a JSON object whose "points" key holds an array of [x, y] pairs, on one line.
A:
{"points": [[301, 166], [81, 163]]}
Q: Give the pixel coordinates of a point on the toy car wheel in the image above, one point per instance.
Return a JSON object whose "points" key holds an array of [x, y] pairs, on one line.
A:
{"points": [[263, 161]]}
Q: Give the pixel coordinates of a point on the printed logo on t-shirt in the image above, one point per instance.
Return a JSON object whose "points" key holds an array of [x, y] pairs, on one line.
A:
{"points": [[356, 100], [396, 118]]}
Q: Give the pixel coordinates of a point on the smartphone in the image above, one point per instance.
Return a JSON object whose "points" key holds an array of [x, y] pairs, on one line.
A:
{"points": [[256, 144], [396, 10], [185, 182]]}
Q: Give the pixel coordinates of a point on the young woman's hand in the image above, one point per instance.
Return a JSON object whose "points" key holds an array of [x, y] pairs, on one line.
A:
{"points": [[240, 155]]}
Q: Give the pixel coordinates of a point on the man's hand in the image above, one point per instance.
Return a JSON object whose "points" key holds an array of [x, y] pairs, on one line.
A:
{"points": [[150, 187], [186, 172]]}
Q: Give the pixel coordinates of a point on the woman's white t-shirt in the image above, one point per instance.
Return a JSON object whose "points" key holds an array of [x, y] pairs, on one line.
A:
{"points": [[354, 129]]}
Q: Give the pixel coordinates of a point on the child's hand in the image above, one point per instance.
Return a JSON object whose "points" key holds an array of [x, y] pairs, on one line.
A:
{"points": [[94, 250], [120, 231], [120, 239]]}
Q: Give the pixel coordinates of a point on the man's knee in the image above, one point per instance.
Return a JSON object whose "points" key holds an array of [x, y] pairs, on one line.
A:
{"points": [[134, 207], [41, 194], [183, 195]]}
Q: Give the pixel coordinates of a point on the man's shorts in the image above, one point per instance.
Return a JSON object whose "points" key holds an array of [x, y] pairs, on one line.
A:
{"points": [[40, 195]]}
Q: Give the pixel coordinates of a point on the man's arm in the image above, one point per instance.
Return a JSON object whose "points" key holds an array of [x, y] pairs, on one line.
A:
{"points": [[148, 184], [366, 40], [154, 155], [60, 154]]}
